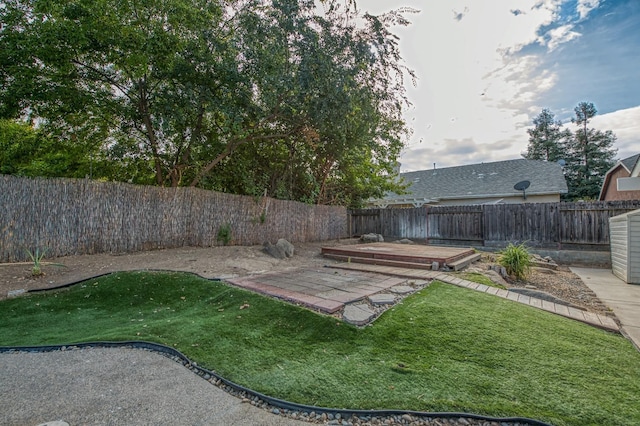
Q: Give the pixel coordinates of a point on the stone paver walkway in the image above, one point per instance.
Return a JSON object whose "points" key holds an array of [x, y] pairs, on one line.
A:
{"points": [[326, 290], [590, 318], [331, 288]]}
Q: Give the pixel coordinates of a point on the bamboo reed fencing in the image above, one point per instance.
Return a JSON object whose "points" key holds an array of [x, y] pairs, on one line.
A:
{"points": [[72, 216]]}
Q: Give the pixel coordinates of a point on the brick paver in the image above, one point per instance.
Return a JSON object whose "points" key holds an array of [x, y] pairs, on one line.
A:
{"points": [[326, 290], [329, 289], [590, 318]]}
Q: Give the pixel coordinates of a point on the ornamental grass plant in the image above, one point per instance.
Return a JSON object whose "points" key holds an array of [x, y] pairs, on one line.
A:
{"points": [[516, 260]]}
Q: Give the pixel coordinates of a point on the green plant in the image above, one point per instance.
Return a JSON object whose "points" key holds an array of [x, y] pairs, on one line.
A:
{"points": [[224, 234], [516, 260], [263, 216], [36, 258]]}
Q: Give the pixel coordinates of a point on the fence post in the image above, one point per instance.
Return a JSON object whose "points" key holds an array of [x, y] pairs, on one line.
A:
{"points": [[426, 216], [558, 219]]}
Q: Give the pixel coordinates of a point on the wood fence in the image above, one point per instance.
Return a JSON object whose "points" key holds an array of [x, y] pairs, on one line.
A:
{"points": [[543, 225], [70, 216]]}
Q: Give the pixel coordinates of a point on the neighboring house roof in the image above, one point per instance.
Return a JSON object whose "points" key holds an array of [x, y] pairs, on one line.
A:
{"points": [[630, 164], [485, 180]]}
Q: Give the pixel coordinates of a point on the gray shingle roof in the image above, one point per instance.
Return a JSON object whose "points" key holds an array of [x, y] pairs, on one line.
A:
{"points": [[484, 180], [630, 162]]}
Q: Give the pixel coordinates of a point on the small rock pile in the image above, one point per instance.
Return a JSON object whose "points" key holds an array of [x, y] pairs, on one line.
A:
{"points": [[543, 262]]}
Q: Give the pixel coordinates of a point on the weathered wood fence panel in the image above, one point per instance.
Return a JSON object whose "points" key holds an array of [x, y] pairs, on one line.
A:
{"points": [[68, 216], [588, 223], [545, 225], [454, 223], [537, 224], [409, 223]]}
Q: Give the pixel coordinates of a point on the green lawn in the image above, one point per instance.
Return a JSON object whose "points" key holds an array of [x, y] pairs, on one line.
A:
{"points": [[443, 349]]}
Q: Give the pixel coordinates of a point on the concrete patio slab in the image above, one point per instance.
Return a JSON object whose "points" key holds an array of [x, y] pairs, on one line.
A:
{"points": [[622, 298]]}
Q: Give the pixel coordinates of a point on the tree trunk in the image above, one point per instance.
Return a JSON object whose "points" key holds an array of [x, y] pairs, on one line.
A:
{"points": [[151, 135]]}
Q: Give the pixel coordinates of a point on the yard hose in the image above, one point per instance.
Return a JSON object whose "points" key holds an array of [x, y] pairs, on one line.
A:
{"points": [[232, 387]]}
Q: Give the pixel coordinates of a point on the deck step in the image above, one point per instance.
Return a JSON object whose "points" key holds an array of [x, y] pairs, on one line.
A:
{"points": [[381, 262], [464, 262]]}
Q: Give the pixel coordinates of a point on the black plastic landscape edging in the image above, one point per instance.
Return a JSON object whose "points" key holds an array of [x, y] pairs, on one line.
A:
{"points": [[275, 402], [71, 284]]}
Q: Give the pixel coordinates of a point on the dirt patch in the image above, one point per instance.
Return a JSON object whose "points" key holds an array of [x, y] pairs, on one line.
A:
{"points": [[211, 262], [227, 262]]}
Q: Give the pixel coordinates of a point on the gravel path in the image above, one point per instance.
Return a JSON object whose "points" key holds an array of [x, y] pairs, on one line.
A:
{"points": [[116, 387]]}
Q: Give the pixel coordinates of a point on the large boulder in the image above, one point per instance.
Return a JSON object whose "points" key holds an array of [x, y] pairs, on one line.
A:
{"points": [[273, 250], [371, 238], [280, 250], [285, 246]]}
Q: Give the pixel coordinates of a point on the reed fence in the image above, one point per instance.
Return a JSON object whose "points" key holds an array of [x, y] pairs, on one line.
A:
{"points": [[543, 225], [71, 216]]}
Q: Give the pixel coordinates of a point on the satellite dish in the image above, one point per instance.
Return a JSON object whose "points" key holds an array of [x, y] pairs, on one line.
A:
{"points": [[562, 163], [522, 186]]}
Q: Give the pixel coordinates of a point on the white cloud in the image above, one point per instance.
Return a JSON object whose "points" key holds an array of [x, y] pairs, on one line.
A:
{"points": [[560, 35], [477, 89], [586, 6], [625, 125]]}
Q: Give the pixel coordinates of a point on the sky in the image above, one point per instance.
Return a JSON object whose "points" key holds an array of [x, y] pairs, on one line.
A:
{"points": [[487, 68]]}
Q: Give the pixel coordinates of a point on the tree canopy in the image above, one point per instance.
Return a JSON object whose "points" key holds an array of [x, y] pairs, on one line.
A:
{"points": [[587, 153], [591, 154], [245, 96], [547, 139]]}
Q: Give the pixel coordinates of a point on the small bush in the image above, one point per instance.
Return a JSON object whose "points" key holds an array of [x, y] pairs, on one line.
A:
{"points": [[224, 234], [515, 260], [36, 258]]}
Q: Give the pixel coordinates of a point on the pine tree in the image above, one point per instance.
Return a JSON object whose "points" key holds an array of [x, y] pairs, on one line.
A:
{"points": [[548, 139], [591, 155]]}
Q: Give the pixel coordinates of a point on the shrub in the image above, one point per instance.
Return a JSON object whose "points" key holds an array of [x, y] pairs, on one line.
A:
{"points": [[515, 260], [224, 234], [36, 258]]}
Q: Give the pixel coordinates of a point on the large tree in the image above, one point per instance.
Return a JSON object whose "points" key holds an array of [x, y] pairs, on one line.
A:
{"points": [[591, 154], [548, 139], [168, 90]]}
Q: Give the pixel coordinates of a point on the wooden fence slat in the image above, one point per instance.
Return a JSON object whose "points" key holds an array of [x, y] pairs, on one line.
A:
{"points": [[549, 225]]}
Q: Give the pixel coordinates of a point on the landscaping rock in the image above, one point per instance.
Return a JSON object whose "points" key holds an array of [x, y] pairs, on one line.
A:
{"points": [[495, 277], [16, 293], [371, 238], [401, 289], [404, 241], [274, 251], [382, 299], [499, 269], [359, 314], [543, 262], [285, 246]]}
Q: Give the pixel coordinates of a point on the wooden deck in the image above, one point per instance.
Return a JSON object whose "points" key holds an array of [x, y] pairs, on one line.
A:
{"points": [[418, 256]]}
